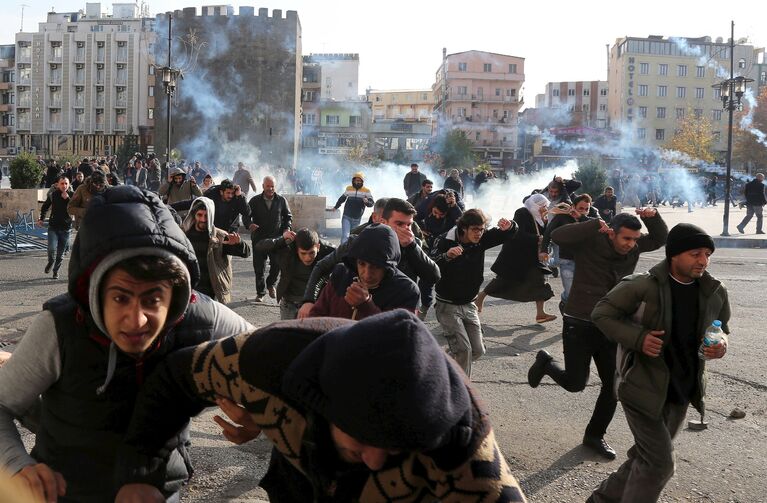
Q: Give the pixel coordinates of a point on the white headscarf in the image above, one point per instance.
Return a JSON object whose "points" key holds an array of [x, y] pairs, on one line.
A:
{"points": [[534, 204]]}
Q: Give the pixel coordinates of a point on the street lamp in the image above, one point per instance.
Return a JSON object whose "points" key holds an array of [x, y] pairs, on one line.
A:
{"points": [[732, 91], [170, 77]]}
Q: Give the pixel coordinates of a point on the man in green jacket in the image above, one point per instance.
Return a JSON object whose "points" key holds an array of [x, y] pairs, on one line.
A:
{"points": [[658, 320]]}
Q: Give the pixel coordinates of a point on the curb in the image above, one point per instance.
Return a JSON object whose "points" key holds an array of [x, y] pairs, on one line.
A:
{"points": [[729, 242]]}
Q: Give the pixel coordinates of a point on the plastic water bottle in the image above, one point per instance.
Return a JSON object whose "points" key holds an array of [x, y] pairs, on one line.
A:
{"points": [[712, 337]]}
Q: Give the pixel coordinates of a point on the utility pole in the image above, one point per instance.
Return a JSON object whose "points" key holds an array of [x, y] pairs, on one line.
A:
{"points": [[22, 16]]}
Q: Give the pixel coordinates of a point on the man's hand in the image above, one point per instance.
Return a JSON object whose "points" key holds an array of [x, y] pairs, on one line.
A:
{"points": [[192, 181], [558, 179], [247, 429], [543, 257], [330, 209], [40, 222], [65, 195], [603, 227], [646, 212], [139, 493], [253, 227], [4, 357], [454, 252], [450, 199], [404, 235], [716, 351], [652, 343], [504, 224], [233, 238], [45, 484], [303, 311], [237, 190], [288, 235], [356, 294]]}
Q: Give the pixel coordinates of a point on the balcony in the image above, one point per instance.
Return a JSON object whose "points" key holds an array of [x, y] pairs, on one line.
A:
{"points": [[122, 56], [24, 56], [121, 126], [79, 81], [99, 126], [78, 126], [24, 81], [121, 103], [23, 125], [5, 86], [4, 130], [121, 80], [23, 103], [55, 103], [80, 56], [54, 125], [78, 103], [99, 81], [5, 107], [100, 102], [54, 80], [54, 59]]}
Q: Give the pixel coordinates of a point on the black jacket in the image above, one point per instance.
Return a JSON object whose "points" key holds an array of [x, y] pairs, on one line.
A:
{"points": [[462, 276], [60, 219], [754, 191], [556, 222], [227, 211], [412, 182], [519, 253], [272, 222], [288, 259]]}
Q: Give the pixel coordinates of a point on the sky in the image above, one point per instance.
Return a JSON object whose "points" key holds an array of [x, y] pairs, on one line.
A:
{"points": [[400, 42]]}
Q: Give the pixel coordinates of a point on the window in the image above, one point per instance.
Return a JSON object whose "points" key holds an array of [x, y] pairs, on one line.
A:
{"points": [[681, 92], [512, 68], [644, 68], [660, 112], [641, 133], [586, 92], [642, 112], [462, 90], [495, 113], [461, 112], [487, 67], [662, 69], [150, 113], [311, 119], [602, 107], [699, 93], [555, 92], [660, 134], [150, 91], [506, 114], [642, 89], [698, 113], [681, 70], [585, 108], [355, 121], [511, 92], [717, 94], [700, 71], [762, 78], [332, 120], [662, 91], [716, 115], [151, 70], [498, 91], [603, 92], [680, 113], [461, 67], [571, 92]]}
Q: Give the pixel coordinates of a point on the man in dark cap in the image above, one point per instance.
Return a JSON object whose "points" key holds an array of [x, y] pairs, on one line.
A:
{"points": [[367, 411], [658, 319]]}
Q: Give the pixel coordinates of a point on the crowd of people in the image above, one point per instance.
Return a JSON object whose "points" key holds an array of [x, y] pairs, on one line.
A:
{"points": [[359, 399]]}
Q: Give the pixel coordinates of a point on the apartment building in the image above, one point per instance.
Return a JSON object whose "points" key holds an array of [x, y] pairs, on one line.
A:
{"points": [[83, 81], [481, 93], [7, 99], [579, 103], [402, 123], [408, 105], [655, 81]]}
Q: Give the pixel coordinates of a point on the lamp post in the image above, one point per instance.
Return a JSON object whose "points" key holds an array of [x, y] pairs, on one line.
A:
{"points": [[170, 77], [732, 91]]}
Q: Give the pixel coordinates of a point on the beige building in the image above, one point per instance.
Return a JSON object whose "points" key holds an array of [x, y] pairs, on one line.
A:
{"points": [[83, 81], [656, 81], [481, 93], [7, 100], [408, 105], [583, 103]]}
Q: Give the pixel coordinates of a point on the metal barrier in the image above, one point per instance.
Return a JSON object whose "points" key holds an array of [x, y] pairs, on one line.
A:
{"points": [[21, 234]]}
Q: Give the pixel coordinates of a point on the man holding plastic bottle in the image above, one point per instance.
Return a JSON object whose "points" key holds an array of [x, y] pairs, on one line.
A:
{"points": [[658, 319]]}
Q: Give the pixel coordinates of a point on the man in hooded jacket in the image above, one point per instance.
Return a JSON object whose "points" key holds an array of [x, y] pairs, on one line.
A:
{"points": [[372, 411], [368, 281], [213, 247], [78, 204], [85, 357], [355, 199], [178, 188]]}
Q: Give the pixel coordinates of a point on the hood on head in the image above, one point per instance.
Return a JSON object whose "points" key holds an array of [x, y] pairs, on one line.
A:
{"points": [[384, 381], [209, 206], [121, 223], [176, 171], [376, 244]]}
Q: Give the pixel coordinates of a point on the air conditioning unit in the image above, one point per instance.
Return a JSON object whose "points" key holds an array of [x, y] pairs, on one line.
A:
{"points": [[11, 150], [107, 149]]}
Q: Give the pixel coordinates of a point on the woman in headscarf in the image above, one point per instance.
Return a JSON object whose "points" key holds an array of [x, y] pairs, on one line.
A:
{"points": [[207, 182], [520, 266]]}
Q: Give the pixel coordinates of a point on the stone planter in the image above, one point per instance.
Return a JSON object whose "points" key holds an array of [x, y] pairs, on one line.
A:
{"points": [[22, 200]]}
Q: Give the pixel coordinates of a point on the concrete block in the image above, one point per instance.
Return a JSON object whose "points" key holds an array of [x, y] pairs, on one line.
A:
{"points": [[308, 211], [22, 200]]}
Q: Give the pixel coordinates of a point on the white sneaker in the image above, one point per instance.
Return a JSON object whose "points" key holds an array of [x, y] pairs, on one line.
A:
{"points": [[259, 298]]}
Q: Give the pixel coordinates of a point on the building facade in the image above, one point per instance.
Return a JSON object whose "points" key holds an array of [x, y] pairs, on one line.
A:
{"points": [[7, 100], [655, 81], [83, 83], [584, 103], [481, 93], [402, 123], [240, 98]]}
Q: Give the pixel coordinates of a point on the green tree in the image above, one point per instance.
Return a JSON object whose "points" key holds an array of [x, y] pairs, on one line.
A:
{"points": [[129, 147], [593, 176], [26, 172], [455, 150]]}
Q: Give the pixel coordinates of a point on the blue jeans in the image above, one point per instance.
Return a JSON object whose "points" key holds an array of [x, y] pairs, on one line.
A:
{"points": [[347, 224], [58, 241], [566, 274]]}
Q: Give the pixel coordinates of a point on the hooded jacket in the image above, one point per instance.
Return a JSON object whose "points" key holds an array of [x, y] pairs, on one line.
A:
{"points": [[87, 386], [638, 304], [78, 203], [384, 381], [356, 199], [377, 245], [172, 193], [218, 263]]}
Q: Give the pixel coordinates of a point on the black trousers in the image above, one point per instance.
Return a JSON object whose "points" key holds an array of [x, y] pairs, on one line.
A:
{"points": [[259, 266], [583, 341]]}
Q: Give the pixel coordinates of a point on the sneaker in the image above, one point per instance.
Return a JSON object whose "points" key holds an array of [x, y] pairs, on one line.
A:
{"points": [[538, 369], [272, 292], [48, 267], [259, 299], [422, 313], [56, 275]]}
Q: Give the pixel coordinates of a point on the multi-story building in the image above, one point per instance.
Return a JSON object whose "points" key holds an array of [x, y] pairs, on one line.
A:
{"points": [[402, 123], [240, 98], [334, 118], [656, 81], [481, 93], [83, 83], [584, 102], [7, 100], [408, 105]]}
